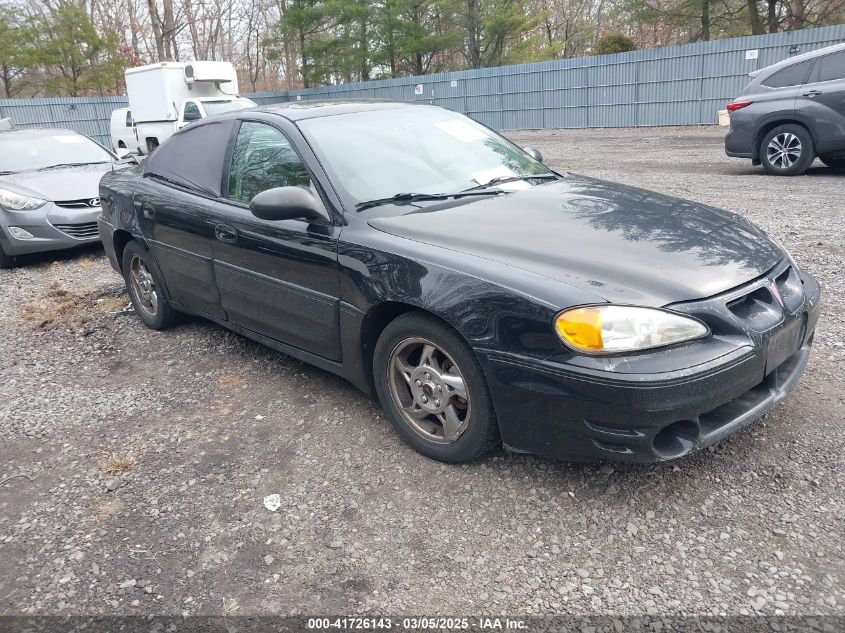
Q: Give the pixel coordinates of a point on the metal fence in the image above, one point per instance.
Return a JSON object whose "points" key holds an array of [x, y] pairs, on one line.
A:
{"points": [[676, 85]]}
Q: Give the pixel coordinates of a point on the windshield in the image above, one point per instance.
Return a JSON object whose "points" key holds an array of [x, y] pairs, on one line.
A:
{"points": [[22, 152], [380, 153], [219, 107]]}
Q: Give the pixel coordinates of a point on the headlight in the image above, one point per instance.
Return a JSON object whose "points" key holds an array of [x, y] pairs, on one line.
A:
{"points": [[17, 202], [608, 329]]}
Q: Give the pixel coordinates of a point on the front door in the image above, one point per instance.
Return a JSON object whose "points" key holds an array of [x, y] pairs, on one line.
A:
{"points": [[822, 99], [276, 278]]}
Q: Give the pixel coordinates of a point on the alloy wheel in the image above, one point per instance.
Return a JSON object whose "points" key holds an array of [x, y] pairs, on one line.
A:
{"points": [[784, 150], [429, 390], [143, 286]]}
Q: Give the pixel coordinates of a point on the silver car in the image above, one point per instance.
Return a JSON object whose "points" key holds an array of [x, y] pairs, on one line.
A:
{"points": [[49, 190]]}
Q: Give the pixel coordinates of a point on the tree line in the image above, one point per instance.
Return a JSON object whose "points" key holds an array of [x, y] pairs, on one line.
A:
{"points": [[79, 47]]}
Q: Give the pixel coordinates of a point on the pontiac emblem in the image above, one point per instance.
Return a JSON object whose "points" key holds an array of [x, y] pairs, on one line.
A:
{"points": [[773, 288]]}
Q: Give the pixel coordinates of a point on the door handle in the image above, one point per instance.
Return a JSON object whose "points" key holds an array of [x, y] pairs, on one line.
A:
{"points": [[812, 93], [225, 233]]}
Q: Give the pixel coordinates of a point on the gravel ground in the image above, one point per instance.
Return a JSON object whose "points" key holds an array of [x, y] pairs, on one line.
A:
{"points": [[147, 457]]}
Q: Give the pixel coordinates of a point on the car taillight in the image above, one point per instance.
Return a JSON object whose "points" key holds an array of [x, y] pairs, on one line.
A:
{"points": [[738, 105]]}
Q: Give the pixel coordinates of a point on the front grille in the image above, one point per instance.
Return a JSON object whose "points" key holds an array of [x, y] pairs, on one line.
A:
{"points": [[764, 307], [82, 231], [87, 203]]}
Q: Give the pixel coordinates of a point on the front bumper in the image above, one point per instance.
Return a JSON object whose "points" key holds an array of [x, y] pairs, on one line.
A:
{"points": [[52, 228], [609, 409]]}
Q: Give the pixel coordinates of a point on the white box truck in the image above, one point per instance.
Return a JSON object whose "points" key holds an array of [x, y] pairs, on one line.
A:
{"points": [[167, 96]]}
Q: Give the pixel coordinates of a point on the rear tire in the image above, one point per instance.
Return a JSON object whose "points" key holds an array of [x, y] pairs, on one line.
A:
{"points": [[433, 390], [787, 150], [833, 163], [145, 288]]}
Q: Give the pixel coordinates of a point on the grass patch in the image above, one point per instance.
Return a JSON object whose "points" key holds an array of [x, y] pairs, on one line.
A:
{"points": [[117, 464], [60, 307], [230, 607]]}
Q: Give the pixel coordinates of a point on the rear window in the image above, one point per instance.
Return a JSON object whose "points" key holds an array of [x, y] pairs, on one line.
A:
{"points": [[832, 67], [794, 75], [193, 158]]}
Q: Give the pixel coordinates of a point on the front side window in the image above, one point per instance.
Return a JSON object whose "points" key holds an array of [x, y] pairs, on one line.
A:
{"points": [[378, 153], [262, 159], [192, 112], [794, 75], [832, 67]]}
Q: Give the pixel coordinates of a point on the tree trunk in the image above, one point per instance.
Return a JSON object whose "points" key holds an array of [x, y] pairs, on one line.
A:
{"points": [[754, 15], [773, 16], [155, 22], [304, 64], [705, 20], [798, 14], [169, 31]]}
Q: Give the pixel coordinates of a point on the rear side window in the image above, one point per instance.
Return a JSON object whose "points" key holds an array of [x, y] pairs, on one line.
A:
{"points": [[794, 75], [193, 158], [128, 119], [832, 67]]}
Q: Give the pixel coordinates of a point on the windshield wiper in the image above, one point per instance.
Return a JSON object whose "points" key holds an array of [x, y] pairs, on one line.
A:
{"points": [[60, 165], [500, 180], [7, 173], [400, 198]]}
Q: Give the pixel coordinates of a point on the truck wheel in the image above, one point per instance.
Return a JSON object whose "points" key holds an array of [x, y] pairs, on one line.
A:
{"points": [[787, 151]]}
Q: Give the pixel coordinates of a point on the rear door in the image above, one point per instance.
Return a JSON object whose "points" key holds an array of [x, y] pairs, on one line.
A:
{"points": [[822, 99], [276, 278], [182, 180]]}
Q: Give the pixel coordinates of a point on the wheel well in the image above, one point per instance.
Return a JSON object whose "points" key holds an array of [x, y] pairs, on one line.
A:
{"points": [[768, 127], [121, 239], [121, 144]]}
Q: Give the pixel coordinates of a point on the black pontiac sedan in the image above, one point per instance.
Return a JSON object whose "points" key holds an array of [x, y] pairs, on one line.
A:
{"points": [[485, 298]]}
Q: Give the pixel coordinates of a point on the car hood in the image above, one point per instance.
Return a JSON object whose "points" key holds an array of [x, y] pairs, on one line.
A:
{"points": [[623, 244], [62, 183]]}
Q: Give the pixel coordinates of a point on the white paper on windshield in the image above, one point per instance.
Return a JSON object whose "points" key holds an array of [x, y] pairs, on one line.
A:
{"points": [[69, 139], [464, 132]]}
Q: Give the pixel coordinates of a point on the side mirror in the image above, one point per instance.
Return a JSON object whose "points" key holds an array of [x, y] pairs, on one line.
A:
{"points": [[533, 153], [288, 203]]}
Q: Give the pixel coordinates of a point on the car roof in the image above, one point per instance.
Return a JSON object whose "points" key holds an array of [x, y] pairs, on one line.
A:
{"points": [[37, 132], [768, 70], [299, 110]]}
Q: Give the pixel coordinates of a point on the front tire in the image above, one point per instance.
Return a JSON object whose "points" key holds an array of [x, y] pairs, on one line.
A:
{"points": [[145, 288], [6, 261], [833, 163], [433, 390], [787, 150]]}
